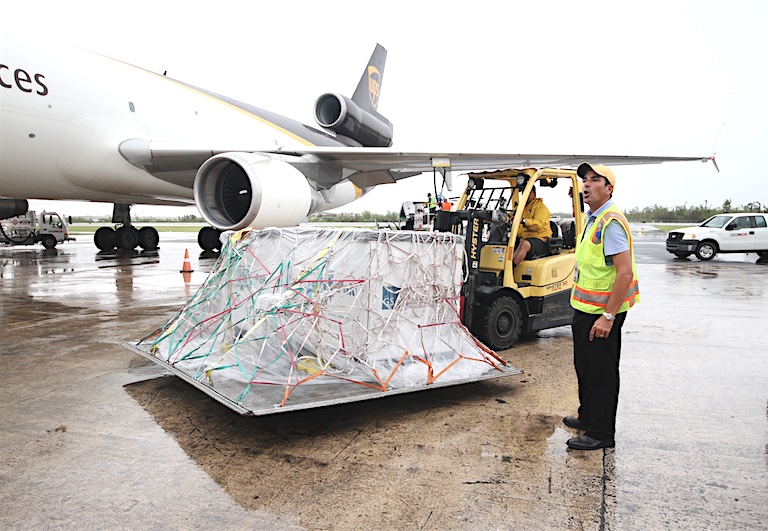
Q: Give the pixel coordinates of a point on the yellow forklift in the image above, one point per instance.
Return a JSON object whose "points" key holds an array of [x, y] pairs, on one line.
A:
{"points": [[502, 301]]}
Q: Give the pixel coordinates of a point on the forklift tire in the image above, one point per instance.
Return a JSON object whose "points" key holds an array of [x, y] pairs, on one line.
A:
{"points": [[48, 241], [500, 324]]}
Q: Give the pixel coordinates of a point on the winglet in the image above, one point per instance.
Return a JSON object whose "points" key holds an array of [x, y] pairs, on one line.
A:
{"points": [[367, 93], [714, 147], [712, 158]]}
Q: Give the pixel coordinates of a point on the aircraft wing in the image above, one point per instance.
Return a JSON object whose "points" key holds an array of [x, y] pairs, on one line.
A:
{"points": [[374, 166], [365, 167]]}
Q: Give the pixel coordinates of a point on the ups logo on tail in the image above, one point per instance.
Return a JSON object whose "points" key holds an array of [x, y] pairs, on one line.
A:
{"points": [[374, 85]]}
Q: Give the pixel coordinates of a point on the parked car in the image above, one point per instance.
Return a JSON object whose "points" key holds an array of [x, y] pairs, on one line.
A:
{"points": [[722, 233]]}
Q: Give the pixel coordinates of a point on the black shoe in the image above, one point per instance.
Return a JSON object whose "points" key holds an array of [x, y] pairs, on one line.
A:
{"points": [[573, 422], [585, 442]]}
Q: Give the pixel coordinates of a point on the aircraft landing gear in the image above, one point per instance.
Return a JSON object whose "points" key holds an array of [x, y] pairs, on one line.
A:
{"points": [[126, 237], [149, 239], [104, 238], [208, 239]]}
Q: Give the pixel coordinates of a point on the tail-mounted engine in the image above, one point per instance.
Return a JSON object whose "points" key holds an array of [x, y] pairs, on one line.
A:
{"points": [[344, 117]]}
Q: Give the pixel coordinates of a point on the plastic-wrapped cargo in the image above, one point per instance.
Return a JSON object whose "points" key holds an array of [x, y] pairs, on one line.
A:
{"points": [[291, 317]]}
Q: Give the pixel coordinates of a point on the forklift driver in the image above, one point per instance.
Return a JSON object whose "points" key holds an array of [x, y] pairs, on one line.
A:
{"points": [[534, 230]]}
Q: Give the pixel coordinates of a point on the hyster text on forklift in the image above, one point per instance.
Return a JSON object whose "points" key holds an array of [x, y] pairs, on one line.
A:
{"points": [[503, 301], [47, 228]]}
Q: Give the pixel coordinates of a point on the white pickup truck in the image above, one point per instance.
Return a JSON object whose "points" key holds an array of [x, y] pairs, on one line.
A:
{"points": [[47, 228], [722, 233]]}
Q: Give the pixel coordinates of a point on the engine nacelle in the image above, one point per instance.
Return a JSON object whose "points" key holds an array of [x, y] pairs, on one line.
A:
{"points": [[238, 190], [342, 116], [13, 207]]}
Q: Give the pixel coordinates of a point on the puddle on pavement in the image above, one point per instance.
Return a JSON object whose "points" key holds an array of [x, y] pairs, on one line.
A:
{"points": [[487, 453], [722, 272], [556, 442], [443, 452], [437, 449]]}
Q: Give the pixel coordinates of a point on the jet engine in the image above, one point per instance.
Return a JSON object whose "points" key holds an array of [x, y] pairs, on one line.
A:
{"points": [[13, 207], [342, 116], [238, 190]]}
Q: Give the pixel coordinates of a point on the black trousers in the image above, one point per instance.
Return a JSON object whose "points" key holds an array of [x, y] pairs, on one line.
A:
{"points": [[597, 371]]}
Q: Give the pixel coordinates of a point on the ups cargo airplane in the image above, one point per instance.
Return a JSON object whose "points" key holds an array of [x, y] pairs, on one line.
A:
{"points": [[77, 125]]}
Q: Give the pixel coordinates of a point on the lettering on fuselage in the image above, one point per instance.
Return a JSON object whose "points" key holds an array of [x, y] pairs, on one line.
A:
{"points": [[374, 85], [22, 80]]}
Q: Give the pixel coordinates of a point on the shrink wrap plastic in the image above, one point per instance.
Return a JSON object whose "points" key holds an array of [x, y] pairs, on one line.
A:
{"points": [[306, 306]]}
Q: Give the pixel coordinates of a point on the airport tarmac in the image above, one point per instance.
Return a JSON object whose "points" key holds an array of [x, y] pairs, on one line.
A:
{"points": [[97, 437]]}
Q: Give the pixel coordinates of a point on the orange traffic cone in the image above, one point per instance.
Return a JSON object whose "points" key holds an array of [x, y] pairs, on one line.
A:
{"points": [[186, 269]]}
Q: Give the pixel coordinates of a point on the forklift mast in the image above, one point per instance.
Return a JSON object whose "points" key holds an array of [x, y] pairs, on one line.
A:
{"points": [[488, 215]]}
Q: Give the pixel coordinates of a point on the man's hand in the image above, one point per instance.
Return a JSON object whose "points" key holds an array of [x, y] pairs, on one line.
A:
{"points": [[623, 264], [601, 328]]}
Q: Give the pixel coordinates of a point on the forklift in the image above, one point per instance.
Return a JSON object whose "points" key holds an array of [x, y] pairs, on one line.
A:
{"points": [[502, 301]]}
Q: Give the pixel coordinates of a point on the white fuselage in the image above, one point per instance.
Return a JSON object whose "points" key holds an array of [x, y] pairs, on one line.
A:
{"points": [[64, 112]]}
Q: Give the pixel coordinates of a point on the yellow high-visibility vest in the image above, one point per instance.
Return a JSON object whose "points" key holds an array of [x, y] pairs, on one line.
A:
{"points": [[593, 278]]}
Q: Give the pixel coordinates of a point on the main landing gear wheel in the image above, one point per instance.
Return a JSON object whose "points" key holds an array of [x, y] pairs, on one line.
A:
{"points": [[501, 323], [706, 251], [148, 238], [126, 238], [104, 238], [208, 239]]}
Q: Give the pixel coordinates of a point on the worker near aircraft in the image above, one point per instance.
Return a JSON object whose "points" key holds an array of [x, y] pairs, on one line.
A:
{"points": [[605, 287], [432, 202], [534, 230]]}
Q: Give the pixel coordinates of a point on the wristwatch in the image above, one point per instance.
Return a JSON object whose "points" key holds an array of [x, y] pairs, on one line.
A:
{"points": [[608, 316]]}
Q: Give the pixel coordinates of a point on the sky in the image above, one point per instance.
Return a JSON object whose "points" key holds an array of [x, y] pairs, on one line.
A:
{"points": [[613, 78]]}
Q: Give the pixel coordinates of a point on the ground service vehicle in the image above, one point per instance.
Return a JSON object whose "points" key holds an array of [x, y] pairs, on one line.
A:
{"points": [[47, 228], [502, 301], [722, 233], [415, 215]]}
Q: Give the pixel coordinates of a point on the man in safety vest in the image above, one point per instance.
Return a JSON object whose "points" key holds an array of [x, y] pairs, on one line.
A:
{"points": [[432, 203], [605, 287]]}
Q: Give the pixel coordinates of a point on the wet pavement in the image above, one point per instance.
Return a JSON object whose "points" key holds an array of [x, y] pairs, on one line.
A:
{"points": [[95, 436]]}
